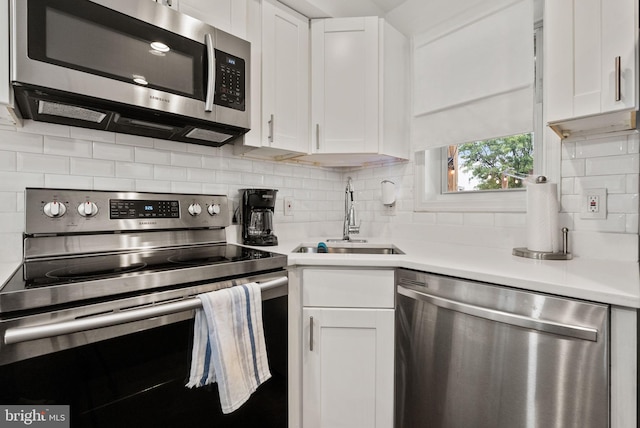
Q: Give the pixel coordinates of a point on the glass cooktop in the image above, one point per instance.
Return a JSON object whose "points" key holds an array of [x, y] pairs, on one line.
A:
{"points": [[93, 267]]}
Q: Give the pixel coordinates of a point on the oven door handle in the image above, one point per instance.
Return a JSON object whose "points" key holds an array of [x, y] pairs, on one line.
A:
{"points": [[23, 334]]}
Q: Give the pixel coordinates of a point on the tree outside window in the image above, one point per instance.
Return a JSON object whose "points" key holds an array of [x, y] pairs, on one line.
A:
{"points": [[500, 163]]}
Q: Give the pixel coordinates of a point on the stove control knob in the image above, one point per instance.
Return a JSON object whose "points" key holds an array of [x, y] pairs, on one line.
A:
{"points": [[54, 209], [195, 209], [213, 209], [87, 209]]}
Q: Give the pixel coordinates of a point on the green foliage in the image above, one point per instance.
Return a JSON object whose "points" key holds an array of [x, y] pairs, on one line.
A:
{"points": [[487, 160]]}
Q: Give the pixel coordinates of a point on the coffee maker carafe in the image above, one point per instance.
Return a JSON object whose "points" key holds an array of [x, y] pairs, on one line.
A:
{"points": [[257, 216]]}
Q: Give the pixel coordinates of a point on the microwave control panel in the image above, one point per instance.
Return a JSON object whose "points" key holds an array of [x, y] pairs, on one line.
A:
{"points": [[230, 81]]}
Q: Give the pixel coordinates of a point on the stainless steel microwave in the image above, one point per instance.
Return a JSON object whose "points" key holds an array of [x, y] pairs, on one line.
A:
{"points": [[134, 67]]}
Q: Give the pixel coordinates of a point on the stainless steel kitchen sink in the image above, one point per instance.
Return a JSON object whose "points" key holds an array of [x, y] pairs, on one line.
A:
{"points": [[349, 248]]}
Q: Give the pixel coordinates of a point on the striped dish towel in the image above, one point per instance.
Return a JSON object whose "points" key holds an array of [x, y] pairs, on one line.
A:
{"points": [[228, 344]]}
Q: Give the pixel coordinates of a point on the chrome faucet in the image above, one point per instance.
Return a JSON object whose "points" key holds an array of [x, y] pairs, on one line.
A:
{"points": [[351, 224]]}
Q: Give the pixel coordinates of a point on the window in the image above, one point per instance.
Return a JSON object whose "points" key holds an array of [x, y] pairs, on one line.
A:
{"points": [[484, 175], [495, 164]]}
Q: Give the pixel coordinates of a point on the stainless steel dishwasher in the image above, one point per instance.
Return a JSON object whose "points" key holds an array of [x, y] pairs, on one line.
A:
{"points": [[474, 355]]}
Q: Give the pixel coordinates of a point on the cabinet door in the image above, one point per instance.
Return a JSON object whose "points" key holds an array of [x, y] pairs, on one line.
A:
{"points": [[345, 85], [227, 15], [347, 373], [285, 78], [583, 40]]}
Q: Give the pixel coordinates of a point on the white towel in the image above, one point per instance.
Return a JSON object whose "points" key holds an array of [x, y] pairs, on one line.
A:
{"points": [[228, 344]]}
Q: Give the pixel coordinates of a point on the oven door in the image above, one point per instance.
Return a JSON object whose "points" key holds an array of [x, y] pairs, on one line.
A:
{"points": [[137, 377], [185, 67]]}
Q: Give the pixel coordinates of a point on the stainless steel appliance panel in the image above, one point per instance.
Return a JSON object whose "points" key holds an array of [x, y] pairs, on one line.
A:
{"points": [[470, 355], [200, 89]]}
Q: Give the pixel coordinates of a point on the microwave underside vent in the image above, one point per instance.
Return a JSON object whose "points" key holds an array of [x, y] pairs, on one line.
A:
{"points": [[73, 112], [76, 110]]}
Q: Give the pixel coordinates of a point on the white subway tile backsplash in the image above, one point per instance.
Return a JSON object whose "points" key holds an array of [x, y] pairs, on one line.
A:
{"points": [[240, 165], [172, 146], [449, 218], [613, 183], [570, 203], [67, 147], [262, 168], [206, 150], [186, 159], [172, 173], [633, 183], [229, 177], [110, 183], [116, 152], [68, 181], [186, 187], [201, 175], [633, 142], [161, 186], [134, 170], [93, 167], [32, 162], [478, 219], [158, 157], [12, 222], [17, 181], [134, 140], [510, 220], [43, 128], [573, 168], [612, 165], [567, 186], [613, 223], [568, 150], [632, 224], [627, 203], [603, 147], [92, 134], [217, 189], [215, 163], [8, 161], [9, 202], [21, 142], [250, 180]]}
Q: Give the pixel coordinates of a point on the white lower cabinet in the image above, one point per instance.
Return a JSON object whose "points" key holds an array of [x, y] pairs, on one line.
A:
{"points": [[348, 348]]}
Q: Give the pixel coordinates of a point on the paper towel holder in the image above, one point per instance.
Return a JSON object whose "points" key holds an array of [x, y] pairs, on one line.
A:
{"points": [[547, 255]]}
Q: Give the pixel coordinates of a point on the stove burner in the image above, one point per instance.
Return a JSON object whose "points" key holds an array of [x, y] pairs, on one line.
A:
{"points": [[189, 260], [92, 270]]}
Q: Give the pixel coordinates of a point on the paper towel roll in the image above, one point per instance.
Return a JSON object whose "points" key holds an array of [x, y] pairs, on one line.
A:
{"points": [[542, 217]]}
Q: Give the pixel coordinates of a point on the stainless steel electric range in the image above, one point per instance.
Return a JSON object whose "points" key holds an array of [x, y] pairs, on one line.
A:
{"points": [[109, 277]]}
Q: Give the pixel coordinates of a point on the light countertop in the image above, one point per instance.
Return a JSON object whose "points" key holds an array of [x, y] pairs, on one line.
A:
{"points": [[605, 281], [616, 283]]}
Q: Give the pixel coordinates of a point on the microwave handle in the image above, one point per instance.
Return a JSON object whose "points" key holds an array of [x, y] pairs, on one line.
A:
{"points": [[211, 71]]}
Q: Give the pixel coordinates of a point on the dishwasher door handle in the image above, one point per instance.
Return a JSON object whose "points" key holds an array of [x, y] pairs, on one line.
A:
{"points": [[576, 332]]}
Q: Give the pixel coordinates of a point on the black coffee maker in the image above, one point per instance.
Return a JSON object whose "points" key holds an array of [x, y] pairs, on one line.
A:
{"points": [[257, 216]]}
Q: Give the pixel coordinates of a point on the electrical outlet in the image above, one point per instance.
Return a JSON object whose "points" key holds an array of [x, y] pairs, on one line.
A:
{"points": [[594, 204], [288, 205]]}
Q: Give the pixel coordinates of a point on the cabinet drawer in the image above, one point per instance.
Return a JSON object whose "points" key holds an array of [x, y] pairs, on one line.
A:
{"points": [[352, 288]]}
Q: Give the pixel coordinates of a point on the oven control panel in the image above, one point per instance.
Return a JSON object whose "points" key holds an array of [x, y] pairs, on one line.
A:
{"points": [[54, 211]]}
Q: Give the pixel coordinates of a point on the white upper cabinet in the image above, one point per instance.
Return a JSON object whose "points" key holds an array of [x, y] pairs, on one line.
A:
{"points": [[359, 92], [279, 40], [285, 78], [227, 15], [591, 65]]}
